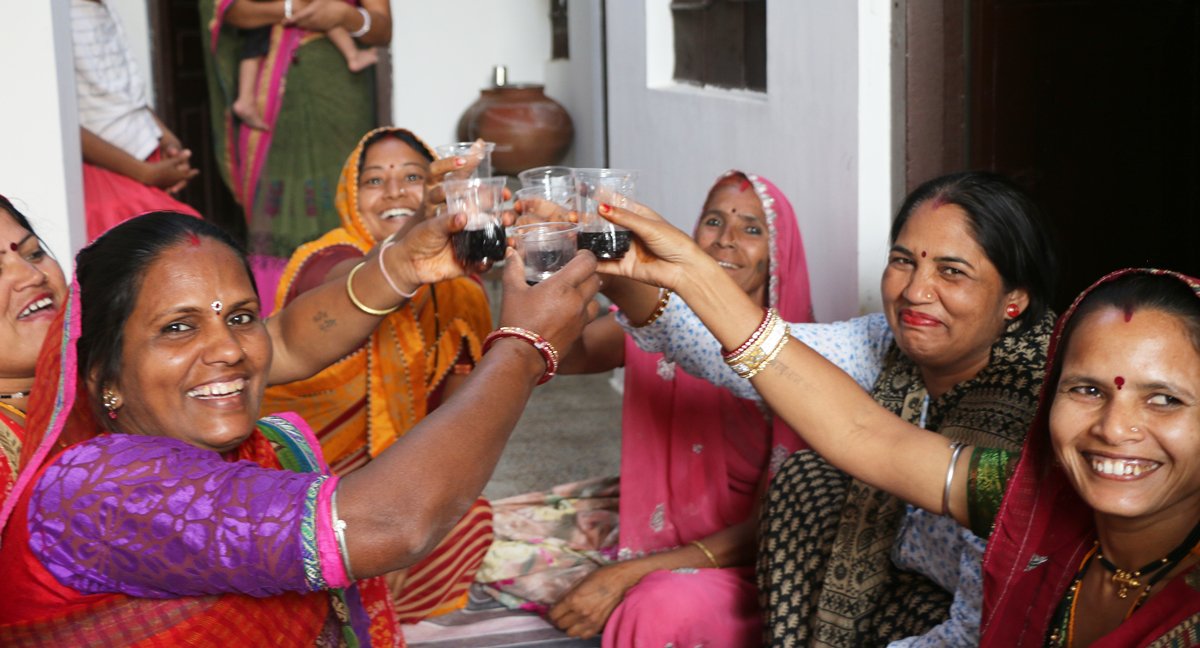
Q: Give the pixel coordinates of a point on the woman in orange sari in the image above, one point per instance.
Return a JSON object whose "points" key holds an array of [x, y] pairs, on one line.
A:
{"points": [[419, 354]]}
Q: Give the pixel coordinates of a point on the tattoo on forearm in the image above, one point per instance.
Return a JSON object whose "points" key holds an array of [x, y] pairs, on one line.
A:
{"points": [[324, 321], [786, 372]]}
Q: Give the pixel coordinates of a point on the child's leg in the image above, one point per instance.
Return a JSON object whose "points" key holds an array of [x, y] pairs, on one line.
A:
{"points": [[356, 59], [244, 106]]}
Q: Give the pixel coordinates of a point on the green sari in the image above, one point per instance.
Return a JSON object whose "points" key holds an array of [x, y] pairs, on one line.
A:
{"points": [[285, 178]]}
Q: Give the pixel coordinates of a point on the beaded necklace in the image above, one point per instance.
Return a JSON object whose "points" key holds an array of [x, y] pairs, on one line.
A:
{"points": [[1062, 624]]}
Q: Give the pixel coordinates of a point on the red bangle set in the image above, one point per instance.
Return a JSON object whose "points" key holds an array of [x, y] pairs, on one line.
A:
{"points": [[762, 327], [543, 346]]}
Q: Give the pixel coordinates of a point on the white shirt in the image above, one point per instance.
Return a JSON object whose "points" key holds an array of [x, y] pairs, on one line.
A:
{"points": [[112, 97]]}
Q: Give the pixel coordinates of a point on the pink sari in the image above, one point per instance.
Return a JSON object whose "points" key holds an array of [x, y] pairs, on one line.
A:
{"points": [[692, 459]]}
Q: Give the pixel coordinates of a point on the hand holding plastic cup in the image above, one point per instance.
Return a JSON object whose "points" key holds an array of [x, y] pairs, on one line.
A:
{"points": [[539, 204], [545, 247], [470, 150], [482, 242], [596, 233]]}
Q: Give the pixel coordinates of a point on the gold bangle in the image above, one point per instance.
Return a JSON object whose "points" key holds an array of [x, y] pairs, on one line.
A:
{"points": [[664, 296], [711, 558], [763, 349], [354, 299]]}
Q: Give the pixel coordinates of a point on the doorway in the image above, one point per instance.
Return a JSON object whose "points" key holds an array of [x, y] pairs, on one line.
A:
{"points": [[1091, 105]]}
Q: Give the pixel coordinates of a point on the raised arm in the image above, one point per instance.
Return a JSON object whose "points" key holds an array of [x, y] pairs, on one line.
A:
{"points": [[836, 417], [323, 325], [400, 505]]}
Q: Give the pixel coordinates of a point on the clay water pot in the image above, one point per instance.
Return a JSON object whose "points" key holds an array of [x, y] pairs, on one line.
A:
{"points": [[529, 128]]}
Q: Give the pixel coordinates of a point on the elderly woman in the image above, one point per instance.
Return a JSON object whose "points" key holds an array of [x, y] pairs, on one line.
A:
{"points": [[694, 458], [174, 518], [1097, 537], [959, 350], [417, 357]]}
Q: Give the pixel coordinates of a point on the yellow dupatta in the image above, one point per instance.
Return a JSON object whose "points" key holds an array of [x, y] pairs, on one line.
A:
{"points": [[366, 401]]}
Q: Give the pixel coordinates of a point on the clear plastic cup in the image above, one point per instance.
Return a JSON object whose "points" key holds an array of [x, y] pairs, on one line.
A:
{"points": [[545, 247], [482, 200], [468, 150], [596, 233]]}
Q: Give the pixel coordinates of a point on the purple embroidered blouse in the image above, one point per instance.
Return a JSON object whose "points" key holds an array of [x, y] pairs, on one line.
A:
{"points": [[159, 518]]}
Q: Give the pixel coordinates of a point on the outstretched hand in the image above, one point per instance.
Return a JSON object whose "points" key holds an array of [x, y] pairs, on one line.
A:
{"points": [[557, 308], [661, 254]]}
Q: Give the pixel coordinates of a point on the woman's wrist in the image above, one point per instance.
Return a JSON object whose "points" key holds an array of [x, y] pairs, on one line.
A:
{"points": [[531, 359], [397, 270]]}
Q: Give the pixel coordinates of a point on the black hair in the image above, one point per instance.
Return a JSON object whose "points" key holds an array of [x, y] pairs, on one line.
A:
{"points": [[1006, 224], [1142, 291], [7, 206], [400, 134], [110, 272]]}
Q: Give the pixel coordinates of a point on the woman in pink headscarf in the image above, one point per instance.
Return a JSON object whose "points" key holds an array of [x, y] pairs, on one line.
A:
{"points": [[693, 456]]}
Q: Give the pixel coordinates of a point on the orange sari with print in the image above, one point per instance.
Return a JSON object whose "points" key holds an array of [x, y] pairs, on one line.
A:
{"points": [[366, 401]]}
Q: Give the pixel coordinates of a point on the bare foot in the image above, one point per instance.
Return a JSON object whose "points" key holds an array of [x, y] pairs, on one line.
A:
{"points": [[363, 60], [248, 113]]}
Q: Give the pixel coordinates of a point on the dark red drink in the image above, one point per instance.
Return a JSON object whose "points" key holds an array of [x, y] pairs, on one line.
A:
{"points": [[480, 245], [605, 245]]}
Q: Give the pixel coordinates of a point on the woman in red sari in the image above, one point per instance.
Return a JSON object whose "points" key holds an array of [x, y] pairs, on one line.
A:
{"points": [[171, 522]]}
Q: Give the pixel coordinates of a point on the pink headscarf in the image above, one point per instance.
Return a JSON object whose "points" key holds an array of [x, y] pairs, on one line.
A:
{"points": [[692, 454]]}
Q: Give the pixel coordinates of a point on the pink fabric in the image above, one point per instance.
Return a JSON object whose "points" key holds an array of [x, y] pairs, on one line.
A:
{"points": [[333, 570], [110, 199], [268, 270], [692, 459], [692, 454], [705, 607]]}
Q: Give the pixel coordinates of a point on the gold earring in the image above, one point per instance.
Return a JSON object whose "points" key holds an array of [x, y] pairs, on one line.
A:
{"points": [[112, 403]]}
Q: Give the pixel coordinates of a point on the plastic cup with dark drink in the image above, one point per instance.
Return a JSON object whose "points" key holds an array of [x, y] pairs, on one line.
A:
{"points": [[545, 247], [468, 150], [482, 200], [596, 186], [545, 203]]}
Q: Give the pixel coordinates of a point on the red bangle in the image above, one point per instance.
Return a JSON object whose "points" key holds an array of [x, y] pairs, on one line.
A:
{"points": [[543, 346], [762, 327]]}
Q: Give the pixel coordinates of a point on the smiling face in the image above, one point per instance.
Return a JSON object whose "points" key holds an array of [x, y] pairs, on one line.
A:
{"points": [[1131, 447], [391, 187], [942, 296], [733, 230], [190, 369], [32, 291]]}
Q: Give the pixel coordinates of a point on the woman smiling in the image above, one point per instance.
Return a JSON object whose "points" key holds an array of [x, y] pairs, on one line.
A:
{"points": [[185, 516], [958, 349]]}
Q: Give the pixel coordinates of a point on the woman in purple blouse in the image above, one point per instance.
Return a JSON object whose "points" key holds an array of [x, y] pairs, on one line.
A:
{"points": [[174, 514]]}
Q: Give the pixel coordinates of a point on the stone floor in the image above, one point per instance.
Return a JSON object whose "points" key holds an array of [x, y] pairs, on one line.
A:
{"points": [[571, 430]]}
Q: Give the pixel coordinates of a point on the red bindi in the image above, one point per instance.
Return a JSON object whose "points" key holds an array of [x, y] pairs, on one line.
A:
{"points": [[1119, 382], [193, 239], [922, 254], [12, 246]]}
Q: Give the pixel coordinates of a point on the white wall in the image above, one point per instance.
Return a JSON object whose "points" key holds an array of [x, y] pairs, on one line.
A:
{"points": [[443, 53], [804, 133], [39, 131]]}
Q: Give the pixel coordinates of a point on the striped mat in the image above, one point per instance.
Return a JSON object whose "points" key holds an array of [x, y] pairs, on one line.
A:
{"points": [[484, 623]]}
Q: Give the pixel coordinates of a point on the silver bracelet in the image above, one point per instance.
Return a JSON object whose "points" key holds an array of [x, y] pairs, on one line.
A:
{"points": [[287, 9], [339, 531], [366, 26], [957, 447]]}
